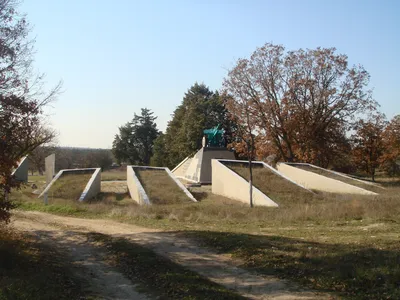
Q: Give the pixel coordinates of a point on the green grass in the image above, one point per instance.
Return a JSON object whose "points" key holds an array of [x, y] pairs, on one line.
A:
{"points": [[69, 186], [160, 187], [31, 270], [274, 186], [37, 178], [328, 174], [159, 276]]}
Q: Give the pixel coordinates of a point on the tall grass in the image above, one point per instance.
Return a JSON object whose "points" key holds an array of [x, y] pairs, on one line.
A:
{"points": [[274, 186], [69, 186], [160, 187]]}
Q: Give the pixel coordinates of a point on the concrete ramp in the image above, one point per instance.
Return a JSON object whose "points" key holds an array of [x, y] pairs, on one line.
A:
{"points": [[227, 183], [153, 185], [317, 181], [180, 170], [197, 168], [92, 187]]}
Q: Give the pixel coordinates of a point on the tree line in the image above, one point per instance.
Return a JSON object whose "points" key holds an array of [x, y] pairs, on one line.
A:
{"points": [[70, 158], [277, 105]]}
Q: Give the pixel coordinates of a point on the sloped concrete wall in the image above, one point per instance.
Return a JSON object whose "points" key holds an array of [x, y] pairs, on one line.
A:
{"points": [[180, 170], [318, 182], [21, 172], [135, 188], [227, 183], [50, 167], [265, 165], [194, 168], [137, 191], [93, 187], [208, 155]]}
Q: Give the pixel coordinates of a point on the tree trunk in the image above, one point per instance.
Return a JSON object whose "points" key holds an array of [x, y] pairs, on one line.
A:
{"points": [[373, 174], [250, 151], [251, 182]]}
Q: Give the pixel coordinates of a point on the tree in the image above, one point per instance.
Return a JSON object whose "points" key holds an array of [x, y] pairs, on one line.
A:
{"points": [[21, 131], [368, 143], [159, 156], [22, 100], [391, 139], [242, 114], [134, 144], [304, 100], [37, 158], [200, 109]]}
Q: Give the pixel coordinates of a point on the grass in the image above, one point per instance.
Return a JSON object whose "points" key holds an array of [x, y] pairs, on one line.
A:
{"points": [[365, 269], [328, 174], [157, 275], [160, 187], [113, 175], [31, 270], [69, 186], [274, 186], [37, 178], [345, 245]]}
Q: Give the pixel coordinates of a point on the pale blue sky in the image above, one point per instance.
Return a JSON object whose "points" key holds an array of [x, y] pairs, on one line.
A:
{"points": [[118, 56]]}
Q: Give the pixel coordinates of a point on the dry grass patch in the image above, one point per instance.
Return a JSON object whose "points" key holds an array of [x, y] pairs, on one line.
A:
{"points": [[113, 175], [32, 270], [157, 275], [274, 186], [331, 175], [69, 186], [160, 187]]}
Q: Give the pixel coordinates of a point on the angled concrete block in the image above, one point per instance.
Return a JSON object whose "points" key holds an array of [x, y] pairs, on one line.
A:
{"points": [[137, 191], [21, 172], [227, 183], [50, 167], [319, 182], [197, 168], [92, 188]]}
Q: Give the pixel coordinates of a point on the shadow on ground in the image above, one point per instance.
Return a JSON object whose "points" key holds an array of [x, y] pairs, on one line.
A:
{"points": [[354, 271]]}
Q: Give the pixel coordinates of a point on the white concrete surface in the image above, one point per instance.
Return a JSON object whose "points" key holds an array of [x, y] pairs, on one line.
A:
{"points": [[319, 182], [227, 183]]}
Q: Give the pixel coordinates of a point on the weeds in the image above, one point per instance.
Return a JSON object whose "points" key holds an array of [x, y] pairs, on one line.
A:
{"points": [[160, 187], [31, 270], [157, 275], [69, 186]]}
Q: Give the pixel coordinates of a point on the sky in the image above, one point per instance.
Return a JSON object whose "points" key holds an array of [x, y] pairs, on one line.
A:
{"points": [[116, 57]]}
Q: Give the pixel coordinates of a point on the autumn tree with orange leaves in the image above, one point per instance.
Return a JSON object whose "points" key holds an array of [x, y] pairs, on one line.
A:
{"points": [[241, 113], [369, 146], [303, 102], [391, 138]]}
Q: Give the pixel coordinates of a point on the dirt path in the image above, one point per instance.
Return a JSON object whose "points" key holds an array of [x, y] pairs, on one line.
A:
{"points": [[218, 268], [99, 280]]}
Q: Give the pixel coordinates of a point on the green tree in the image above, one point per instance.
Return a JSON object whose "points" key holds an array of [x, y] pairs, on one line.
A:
{"points": [[200, 109], [160, 156], [135, 141]]}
